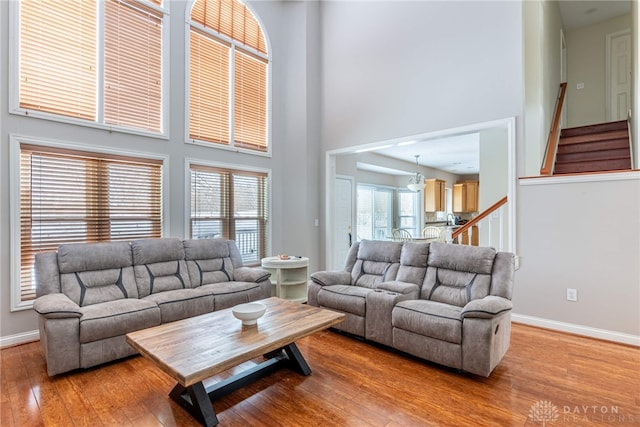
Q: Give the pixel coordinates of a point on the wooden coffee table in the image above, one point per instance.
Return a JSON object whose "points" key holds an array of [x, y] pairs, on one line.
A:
{"points": [[197, 348]]}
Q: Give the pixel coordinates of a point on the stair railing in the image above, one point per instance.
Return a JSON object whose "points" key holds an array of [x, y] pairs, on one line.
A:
{"points": [[630, 140], [554, 135], [468, 227]]}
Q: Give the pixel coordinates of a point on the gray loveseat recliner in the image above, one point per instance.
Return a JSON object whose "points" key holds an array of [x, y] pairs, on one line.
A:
{"points": [[450, 304], [89, 296]]}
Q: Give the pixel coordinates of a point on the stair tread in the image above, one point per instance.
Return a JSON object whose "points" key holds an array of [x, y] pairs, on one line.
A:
{"points": [[614, 144], [592, 137], [593, 166], [594, 155], [581, 130]]}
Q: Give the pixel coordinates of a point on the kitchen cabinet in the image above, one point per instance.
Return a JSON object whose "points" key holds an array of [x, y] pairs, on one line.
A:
{"points": [[465, 196], [434, 195]]}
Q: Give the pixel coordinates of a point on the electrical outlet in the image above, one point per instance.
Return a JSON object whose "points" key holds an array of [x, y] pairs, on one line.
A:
{"points": [[572, 294]]}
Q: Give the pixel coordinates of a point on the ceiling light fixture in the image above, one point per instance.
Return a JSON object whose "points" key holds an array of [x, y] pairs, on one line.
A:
{"points": [[416, 183]]}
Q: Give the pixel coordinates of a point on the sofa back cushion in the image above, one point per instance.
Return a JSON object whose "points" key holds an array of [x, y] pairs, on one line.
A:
{"points": [[457, 274], [209, 261], [92, 273], [159, 265], [376, 262], [413, 263]]}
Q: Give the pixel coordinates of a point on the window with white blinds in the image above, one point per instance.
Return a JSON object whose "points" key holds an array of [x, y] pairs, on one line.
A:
{"points": [[228, 76], [97, 61], [69, 196], [231, 204]]}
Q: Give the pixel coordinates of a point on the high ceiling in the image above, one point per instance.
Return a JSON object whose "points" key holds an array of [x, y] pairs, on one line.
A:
{"points": [[576, 14], [460, 154]]}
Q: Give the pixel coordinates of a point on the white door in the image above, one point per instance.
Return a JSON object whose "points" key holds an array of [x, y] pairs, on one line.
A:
{"points": [[619, 79], [342, 221]]}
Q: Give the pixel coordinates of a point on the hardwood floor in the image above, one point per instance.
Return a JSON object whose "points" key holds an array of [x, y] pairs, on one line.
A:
{"points": [[587, 382]]}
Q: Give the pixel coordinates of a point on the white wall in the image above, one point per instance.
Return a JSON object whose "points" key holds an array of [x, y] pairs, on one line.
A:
{"points": [[494, 177], [393, 69], [293, 31], [586, 49], [635, 127], [542, 77], [565, 241]]}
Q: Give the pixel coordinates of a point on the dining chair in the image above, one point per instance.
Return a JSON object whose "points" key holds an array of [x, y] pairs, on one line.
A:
{"points": [[431, 232], [401, 235]]}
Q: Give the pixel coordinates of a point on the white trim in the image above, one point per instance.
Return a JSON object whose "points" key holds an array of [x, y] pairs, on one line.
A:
{"points": [[607, 69], [572, 328], [14, 201], [188, 161], [21, 338], [570, 179]]}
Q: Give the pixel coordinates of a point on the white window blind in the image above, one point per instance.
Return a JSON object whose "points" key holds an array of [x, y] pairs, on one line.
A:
{"points": [[58, 57], [75, 197], [228, 94], [230, 204], [66, 49], [133, 66]]}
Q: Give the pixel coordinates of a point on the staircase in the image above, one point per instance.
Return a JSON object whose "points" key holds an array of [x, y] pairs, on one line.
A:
{"points": [[594, 148]]}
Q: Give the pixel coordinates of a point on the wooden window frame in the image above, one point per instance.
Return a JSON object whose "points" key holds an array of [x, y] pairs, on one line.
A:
{"points": [[99, 122], [16, 142], [236, 48], [227, 218]]}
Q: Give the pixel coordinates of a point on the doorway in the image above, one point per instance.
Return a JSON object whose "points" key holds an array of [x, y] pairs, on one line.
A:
{"points": [[618, 75], [506, 145]]}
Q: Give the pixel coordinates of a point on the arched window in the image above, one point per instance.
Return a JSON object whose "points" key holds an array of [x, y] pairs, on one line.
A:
{"points": [[228, 76], [92, 62]]}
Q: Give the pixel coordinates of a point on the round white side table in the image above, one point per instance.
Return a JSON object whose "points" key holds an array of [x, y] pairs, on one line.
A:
{"points": [[288, 277]]}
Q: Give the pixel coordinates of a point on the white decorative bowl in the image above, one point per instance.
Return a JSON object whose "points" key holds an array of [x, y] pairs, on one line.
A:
{"points": [[249, 313]]}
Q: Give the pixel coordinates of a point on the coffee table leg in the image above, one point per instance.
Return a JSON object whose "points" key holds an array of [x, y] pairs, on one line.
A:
{"points": [[296, 359], [195, 400]]}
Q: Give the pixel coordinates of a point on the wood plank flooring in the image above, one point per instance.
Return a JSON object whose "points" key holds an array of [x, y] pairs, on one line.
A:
{"points": [[584, 382]]}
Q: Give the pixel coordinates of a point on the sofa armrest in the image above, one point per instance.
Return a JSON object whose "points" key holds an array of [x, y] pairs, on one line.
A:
{"points": [[329, 278], [250, 274], [56, 306], [398, 287], [487, 307]]}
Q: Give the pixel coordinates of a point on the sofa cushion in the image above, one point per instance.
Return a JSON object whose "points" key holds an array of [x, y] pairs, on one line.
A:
{"points": [[113, 318], [457, 274], [474, 259], [92, 273], [454, 287], [413, 263], [378, 250], [350, 299], [228, 294], [159, 265], [208, 261], [429, 318], [182, 303], [377, 261]]}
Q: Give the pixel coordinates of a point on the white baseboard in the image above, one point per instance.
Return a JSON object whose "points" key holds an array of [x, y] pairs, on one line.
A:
{"points": [[571, 328], [22, 338]]}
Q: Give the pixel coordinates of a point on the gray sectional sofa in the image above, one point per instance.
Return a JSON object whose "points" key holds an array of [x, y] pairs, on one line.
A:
{"points": [[446, 303], [90, 295]]}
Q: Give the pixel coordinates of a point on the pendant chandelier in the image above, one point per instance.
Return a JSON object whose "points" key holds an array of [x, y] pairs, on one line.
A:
{"points": [[416, 182]]}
